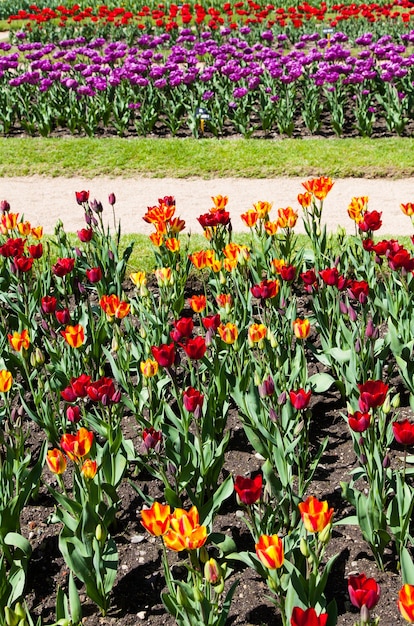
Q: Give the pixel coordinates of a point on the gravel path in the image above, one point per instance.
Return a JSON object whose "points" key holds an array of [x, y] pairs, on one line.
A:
{"points": [[44, 201]]}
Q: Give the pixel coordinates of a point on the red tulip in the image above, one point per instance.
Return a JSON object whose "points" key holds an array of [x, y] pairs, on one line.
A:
{"points": [[249, 490], [359, 422], [330, 276], [307, 617], [63, 267], [363, 591], [403, 432], [195, 348], [48, 304], [182, 328], [300, 399], [164, 354], [265, 289], [372, 394], [211, 321], [94, 274], [371, 221], [85, 234], [82, 196], [192, 399]]}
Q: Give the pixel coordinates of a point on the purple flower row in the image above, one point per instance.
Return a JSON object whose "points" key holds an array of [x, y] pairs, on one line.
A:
{"points": [[198, 70]]}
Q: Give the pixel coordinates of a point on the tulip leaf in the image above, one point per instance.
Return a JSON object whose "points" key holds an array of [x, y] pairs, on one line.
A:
{"points": [[321, 382]]}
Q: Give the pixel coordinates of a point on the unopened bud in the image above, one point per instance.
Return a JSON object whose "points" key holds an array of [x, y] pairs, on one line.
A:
{"points": [[325, 534], [357, 347], [386, 462], [115, 344], [212, 572], [304, 548], [395, 402], [353, 316], [365, 616], [386, 407], [98, 532], [203, 554], [198, 594], [180, 597], [143, 332]]}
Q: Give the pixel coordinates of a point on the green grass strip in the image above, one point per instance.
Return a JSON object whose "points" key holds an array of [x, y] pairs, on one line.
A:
{"points": [[206, 158]]}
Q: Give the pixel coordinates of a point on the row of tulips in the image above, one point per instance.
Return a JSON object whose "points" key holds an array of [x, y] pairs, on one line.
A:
{"points": [[121, 22], [78, 354], [204, 84]]}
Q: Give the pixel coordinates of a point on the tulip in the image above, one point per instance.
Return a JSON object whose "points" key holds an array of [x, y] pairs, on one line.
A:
{"points": [[249, 490], [287, 217], [185, 531], [56, 461], [300, 399], [94, 274], [48, 304], [77, 446], [371, 221], [73, 413], [63, 316], [363, 591], [74, 335], [82, 196], [211, 322], [406, 602], [89, 469], [19, 341], [63, 267], [256, 333], [265, 289], [183, 327], [228, 332], [156, 519], [359, 422], [194, 348], [149, 368], [103, 390], [372, 394], [301, 328], [35, 250], [193, 400], [151, 440], [404, 432], [6, 381], [315, 514], [164, 354], [198, 303], [307, 617], [269, 550], [85, 234], [319, 187], [114, 307]]}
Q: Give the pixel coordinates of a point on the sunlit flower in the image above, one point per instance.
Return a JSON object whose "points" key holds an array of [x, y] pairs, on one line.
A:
{"points": [[6, 381], [406, 602], [357, 208], [74, 335], [250, 218], [77, 446], [114, 307], [228, 332], [248, 490], [89, 469], [287, 217], [198, 303], [19, 341], [185, 531], [156, 519], [315, 514], [319, 187], [269, 550], [301, 328], [256, 333], [149, 368], [56, 461]]}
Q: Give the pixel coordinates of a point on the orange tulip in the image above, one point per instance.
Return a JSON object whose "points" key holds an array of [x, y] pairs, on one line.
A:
{"points": [[19, 340], [224, 300], [406, 602], [220, 202], [89, 469], [77, 446], [269, 550], [256, 333], [213, 264], [228, 332], [156, 239], [231, 251], [315, 514], [250, 218], [176, 225], [56, 461], [172, 244], [287, 217], [185, 532], [305, 199], [198, 259], [24, 228], [149, 368], [37, 232], [271, 227], [156, 519], [263, 208], [6, 381], [8, 221], [319, 187], [408, 209], [114, 307], [74, 335], [197, 303], [357, 208], [301, 328]]}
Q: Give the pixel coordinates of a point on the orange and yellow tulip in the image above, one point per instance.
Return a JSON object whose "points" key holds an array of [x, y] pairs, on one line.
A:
{"points": [[114, 307], [220, 202], [408, 209], [6, 381], [163, 275], [74, 335], [89, 469], [228, 332], [197, 303], [357, 208], [319, 187], [269, 550], [301, 328], [315, 514], [56, 461], [256, 333], [250, 218], [156, 519], [19, 341], [77, 446], [406, 602], [185, 532], [287, 217], [138, 278], [172, 244], [149, 368], [263, 208]]}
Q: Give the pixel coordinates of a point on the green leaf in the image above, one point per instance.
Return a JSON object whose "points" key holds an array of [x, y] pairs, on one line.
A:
{"points": [[321, 382]]}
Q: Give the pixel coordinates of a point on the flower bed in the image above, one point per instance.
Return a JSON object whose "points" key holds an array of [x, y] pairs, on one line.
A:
{"points": [[202, 85], [240, 415]]}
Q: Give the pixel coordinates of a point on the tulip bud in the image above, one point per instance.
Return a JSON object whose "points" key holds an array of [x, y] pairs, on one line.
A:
{"points": [[365, 616], [143, 332], [180, 597], [115, 344], [363, 459], [203, 555], [325, 534], [353, 316], [357, 347], [198, 594], [39, 356], [111, 199], [212, 571], [11, 618], [304, 548], [222, 279], [386, 462], [343, 307], [98, 532], [273, 415], [395, 402], [220, 587], [386, 407], [299, 427]]}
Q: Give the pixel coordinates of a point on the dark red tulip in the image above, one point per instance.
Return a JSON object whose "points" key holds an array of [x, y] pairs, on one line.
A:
{"points": [[249, 490]]}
